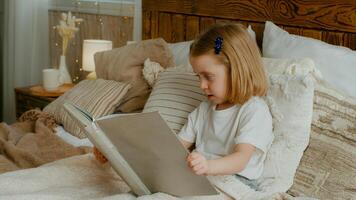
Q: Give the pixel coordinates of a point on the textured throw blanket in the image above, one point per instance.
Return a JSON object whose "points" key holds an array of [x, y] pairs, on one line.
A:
{"points": [[31, 142], [82, 177]]}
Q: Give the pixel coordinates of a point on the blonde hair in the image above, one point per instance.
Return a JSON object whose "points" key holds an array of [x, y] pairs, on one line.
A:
{"points": [[241, 55]]}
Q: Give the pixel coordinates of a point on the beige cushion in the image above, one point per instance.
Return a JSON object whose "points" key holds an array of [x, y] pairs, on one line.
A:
{"points": [[328, 167], [174, 96], [99, 97], [125, 64]]}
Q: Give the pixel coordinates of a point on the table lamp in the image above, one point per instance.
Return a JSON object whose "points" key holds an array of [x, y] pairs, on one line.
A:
{"points": [[90, 47]]}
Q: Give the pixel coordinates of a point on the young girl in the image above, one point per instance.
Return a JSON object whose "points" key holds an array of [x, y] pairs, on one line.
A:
{"points": [[232, 131]]}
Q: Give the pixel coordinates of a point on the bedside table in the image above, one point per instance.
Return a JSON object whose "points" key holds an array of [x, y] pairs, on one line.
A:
{"points": [[35, 97]]}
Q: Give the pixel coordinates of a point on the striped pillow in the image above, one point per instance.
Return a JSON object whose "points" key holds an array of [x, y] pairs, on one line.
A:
{"points": [[99, 97], [174, 96]]}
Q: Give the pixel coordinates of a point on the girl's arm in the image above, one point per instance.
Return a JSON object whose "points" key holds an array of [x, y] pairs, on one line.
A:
{"points": [[230, 164]]}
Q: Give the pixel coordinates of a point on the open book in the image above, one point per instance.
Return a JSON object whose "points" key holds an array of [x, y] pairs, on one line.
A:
{"points": [[144, 151]]}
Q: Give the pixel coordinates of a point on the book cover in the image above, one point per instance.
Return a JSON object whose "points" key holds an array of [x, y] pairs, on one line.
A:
{"points": [[144, 151]]}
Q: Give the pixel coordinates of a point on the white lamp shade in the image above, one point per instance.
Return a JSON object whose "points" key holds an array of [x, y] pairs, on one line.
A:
{"points": [[90, 47]]}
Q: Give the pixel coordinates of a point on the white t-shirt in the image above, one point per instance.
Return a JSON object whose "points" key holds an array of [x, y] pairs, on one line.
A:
{"points": [[216, 132]]}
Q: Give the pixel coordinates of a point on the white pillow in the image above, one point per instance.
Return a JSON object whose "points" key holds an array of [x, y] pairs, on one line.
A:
{"points": [[180, 51], [290, 98], [336, 63], [301, 66]]}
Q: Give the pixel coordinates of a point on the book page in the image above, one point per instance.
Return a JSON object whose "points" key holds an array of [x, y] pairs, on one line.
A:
{"points": [[106, 147], [154, 152]]}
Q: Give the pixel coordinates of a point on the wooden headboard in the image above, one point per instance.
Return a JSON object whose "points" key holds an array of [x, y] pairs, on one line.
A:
{"points": [[179, 20]]}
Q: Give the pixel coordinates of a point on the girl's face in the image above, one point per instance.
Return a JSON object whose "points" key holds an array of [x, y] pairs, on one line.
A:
{"points": [[213, 78]]}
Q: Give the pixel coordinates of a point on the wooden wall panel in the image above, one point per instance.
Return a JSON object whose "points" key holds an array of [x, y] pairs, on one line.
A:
{"points": [[317, 14], [205, 23], [154, 25], [333, 38], [350, 40], [192, 27], [258, 28], [55, 43], [312, 33], [118, 29], [146, 25], [222, 21], [327, 20], [165, 26], [178, 28], [292, 30], [125, 33]]}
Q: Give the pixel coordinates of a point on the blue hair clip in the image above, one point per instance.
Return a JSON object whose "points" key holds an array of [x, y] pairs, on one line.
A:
{"points": [[218, 44]]}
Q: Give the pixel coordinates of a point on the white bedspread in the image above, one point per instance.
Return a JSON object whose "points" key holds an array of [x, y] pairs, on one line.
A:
{"points": [[82, 177]]}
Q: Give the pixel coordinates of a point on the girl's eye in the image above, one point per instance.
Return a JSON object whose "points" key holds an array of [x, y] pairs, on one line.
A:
{"points": [[210, 77], [205, 77]]}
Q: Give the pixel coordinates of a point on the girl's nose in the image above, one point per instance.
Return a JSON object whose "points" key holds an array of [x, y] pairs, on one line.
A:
{"points": [[203, 84]]}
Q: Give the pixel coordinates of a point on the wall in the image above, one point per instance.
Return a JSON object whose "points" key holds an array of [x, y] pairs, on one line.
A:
{"points": [[108, 21], [118, 29]]}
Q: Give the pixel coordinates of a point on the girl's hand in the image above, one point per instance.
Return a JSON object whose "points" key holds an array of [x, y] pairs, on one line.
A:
{"points": [[198, 163], [99, 156]]}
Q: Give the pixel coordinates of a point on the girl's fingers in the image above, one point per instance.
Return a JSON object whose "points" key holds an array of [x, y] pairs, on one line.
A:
{"points": [[190, 157], [201, 170], [195, 162], [194, 155], [198, 167]]}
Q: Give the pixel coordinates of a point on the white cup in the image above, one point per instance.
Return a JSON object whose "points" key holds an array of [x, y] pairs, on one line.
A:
{"points": [[50, 79]]}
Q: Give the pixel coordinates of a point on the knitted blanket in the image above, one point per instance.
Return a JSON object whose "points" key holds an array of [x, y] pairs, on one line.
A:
{"points": [[31, 142]]}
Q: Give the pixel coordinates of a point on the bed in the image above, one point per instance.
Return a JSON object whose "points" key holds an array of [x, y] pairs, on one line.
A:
{"points": [[327, 169]]}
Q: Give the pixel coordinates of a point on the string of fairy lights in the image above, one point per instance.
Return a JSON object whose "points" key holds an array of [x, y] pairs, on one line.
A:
{"points": [[76, 76], [79, 36]]}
